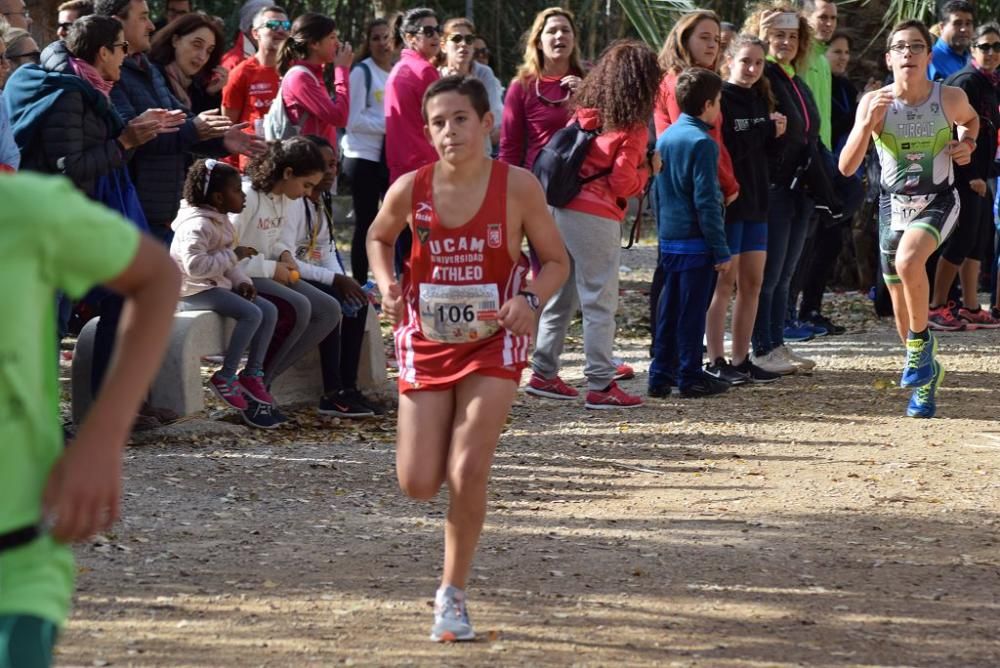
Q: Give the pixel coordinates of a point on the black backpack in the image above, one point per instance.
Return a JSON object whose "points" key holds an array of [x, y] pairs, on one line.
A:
{"points": [[558, 164]]}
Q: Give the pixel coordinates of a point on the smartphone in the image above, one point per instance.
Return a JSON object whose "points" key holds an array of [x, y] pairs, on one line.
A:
{"points": [[787, 21]]}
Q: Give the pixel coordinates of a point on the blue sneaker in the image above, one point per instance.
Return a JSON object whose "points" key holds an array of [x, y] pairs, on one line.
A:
{"points": [[922, 403], [796, 332], [816, 329], [919, 369]]}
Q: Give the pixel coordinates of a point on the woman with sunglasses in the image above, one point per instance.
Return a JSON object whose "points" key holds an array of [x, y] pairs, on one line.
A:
{"points": [[539, 98], [188, 51], [972, 240], [418, 33], [458, 57], [313, 45], [364, 143]]}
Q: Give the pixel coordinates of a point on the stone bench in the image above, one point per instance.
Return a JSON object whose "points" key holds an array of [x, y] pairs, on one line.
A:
{"points": [[195, 334]]}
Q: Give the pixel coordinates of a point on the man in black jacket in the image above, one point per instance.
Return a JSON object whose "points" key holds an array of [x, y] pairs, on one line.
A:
{"points": [[159, 168]]}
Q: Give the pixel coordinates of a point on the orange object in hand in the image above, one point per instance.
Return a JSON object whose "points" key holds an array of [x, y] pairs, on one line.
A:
{"points": [[294, 276]]}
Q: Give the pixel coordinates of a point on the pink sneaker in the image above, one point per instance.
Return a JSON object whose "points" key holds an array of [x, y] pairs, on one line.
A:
{"points": [[978, 319], [614, 397], [623, 371], [253, 384], [550, 388], [228, 389], [942, 319]]}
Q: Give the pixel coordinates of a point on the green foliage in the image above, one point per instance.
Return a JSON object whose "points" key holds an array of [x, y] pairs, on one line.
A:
{"points": [[652, 19]]}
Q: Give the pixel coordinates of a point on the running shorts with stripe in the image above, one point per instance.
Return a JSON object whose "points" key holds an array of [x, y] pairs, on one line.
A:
{"points": [[936, 214]]}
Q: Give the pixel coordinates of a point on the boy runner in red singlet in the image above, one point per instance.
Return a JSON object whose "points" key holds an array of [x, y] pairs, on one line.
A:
{"points": [[463, 317]]}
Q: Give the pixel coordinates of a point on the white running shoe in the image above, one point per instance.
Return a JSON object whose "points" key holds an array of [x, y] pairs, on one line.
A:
{"points": [[775, 362], [451, 617], [804, 363]]}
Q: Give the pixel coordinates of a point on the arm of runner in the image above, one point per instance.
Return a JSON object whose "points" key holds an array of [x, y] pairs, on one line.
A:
{"points": [[539, 227], [871, 113], [391, 220], [958, 109]]}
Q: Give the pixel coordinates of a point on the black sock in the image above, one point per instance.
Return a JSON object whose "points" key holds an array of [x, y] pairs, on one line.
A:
{"points": [[974, 310], [924, 335]]}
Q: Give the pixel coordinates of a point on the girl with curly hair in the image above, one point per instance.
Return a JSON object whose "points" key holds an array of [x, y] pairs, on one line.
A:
{"points": [[288, 171], [204, 248], [539, 99], [694, 41], [616, 99]]}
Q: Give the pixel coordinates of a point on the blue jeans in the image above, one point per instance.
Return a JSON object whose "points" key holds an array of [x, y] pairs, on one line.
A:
{"points": [[680, 324], [787, 224]]}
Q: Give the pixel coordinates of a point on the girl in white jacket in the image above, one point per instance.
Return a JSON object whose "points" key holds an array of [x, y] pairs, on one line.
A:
{"points": [[287, 172], [309, 233], [204, 249]]}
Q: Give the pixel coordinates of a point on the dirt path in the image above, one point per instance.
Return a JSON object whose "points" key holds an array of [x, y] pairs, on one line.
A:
{"points": [[805, 523]]}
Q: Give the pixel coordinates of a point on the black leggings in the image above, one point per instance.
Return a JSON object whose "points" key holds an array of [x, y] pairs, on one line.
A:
{"points": [[340, 351], [974, 234], [369, 181]]}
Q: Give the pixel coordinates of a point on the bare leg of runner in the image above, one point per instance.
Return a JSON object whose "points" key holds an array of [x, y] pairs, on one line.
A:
{"points": [[422, 441], [911, 265], [482, 404]]}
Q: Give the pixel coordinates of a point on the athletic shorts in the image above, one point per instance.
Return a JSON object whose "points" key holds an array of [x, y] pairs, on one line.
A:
{"points": [[512, 372], [744, 236], [935, 214]]}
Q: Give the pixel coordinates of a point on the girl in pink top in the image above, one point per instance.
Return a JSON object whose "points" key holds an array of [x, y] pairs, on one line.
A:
{"points": [[406, 147], [538, 101], [312, 45]]}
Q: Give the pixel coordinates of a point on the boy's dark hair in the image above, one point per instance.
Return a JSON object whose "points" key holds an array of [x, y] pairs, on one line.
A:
{"points": [[953, 6], [695, 88], [907, 25], [298, 153], [195, 192], [89, 33], [113, 8], [470, 87], [81, 7]]}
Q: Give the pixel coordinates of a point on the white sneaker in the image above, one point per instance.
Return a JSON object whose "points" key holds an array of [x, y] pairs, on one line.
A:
{"points": [[803, 363], [451, 618], [775, 362]]}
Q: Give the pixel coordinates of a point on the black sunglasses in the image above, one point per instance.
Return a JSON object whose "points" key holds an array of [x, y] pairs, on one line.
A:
{"points": [[65, 26], [481, 53], [123, 45], [986, 47], [458, 38], [426, 31]]}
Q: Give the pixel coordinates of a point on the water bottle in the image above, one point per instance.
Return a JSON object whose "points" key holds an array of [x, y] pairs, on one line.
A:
{"points": [[351, 309]]}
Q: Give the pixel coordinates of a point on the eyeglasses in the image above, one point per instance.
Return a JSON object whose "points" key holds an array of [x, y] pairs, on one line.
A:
{"points": [[277, 24], [554, 103], [915, 48], [31, 56], [65, 26], [426, 31], [458, 38], [986, 47], [26, 14], [123, 45]]}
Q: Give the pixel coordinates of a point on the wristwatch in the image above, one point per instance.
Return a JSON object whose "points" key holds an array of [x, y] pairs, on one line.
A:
{"points": [[531, 298]]}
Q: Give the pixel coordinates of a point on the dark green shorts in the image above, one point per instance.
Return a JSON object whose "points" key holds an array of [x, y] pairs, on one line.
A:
{"points": [[26, 641]]}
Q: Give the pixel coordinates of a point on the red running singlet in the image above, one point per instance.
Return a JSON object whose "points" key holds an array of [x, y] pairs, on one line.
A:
{"points": [[454, 283]]}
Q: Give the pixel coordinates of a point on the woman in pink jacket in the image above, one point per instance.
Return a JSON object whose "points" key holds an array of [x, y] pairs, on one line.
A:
{"points": [[406, 147], [616, 98], [539, 100], [313, 44]]}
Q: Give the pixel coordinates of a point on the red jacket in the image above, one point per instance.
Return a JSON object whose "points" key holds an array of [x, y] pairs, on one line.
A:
{"points": [[624, 151], [667, 111]]}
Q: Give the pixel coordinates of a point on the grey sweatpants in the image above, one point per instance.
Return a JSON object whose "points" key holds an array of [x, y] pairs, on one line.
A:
{"points": [[316, 314], [254, 325], [594, 247]]}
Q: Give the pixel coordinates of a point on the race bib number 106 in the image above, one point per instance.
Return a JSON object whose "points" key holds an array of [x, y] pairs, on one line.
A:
{"points": [[458, 313]]}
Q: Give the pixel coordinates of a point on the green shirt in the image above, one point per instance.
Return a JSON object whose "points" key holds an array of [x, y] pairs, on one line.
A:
{"points": [[51, 238], [820, 81]]}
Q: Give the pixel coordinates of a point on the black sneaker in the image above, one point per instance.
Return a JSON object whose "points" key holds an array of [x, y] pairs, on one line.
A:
{"points": [[260, 415], [723, 370], [705, 386], [658, 391], [820, 320], [374, 406], [343, 404], [756, 374]]}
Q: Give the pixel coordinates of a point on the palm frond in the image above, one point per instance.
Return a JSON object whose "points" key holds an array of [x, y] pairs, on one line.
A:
{"points": [[652, 19]]}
